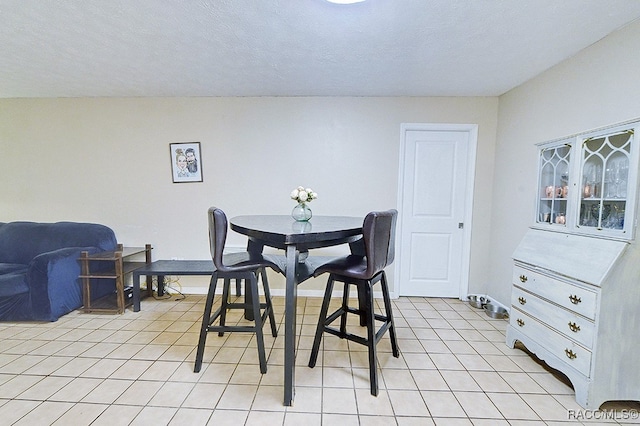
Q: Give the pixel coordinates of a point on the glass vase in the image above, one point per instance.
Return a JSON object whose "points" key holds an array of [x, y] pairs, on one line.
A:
{"points": [[301, 212]]}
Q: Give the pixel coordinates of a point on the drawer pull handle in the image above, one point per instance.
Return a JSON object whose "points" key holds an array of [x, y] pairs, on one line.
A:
{"points": [[523, 278], [570, 354], [575, 299], [574, 327], [522, 300], [520, 322]]}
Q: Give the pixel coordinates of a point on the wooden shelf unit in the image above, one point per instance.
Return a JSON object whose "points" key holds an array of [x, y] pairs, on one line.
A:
{"points": [[125, 260]]}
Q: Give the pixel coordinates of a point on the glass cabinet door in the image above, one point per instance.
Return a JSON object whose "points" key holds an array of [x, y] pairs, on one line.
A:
{"points": [[604, 182], [553, 189], [587, 183]]}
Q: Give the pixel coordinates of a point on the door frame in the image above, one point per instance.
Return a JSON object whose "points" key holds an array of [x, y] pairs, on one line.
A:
{"points": [[472, 131]]}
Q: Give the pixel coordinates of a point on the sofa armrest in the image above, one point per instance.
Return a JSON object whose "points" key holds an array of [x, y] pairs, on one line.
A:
{"points": [[53, 282]]}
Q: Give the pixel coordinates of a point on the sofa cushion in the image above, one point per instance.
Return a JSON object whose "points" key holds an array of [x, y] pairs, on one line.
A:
{"points": [[14, 298], [20, 242], [13, 283], [5, 268]]}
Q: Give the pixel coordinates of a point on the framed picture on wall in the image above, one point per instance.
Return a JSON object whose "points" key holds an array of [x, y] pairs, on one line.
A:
{"points": [[186, 162]]}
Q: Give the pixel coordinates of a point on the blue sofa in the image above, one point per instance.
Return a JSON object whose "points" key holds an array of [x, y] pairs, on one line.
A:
{"points": [[39, 267]]}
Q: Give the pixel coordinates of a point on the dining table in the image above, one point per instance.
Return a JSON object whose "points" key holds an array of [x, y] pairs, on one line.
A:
{"points": [[296, 239]]}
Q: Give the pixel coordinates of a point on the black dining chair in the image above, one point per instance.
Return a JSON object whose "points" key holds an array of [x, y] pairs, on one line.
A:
{"points": [[243, 266], [363, 271]]}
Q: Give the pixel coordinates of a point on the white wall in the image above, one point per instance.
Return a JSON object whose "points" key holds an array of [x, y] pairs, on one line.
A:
{"points": [[598, 87], [107, 160]]}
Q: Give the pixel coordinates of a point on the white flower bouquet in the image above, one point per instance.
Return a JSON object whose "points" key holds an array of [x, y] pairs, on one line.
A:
{"points": [[303, 195]]}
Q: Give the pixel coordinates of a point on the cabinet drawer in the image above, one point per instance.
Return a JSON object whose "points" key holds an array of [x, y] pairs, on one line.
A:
{"points": [[563, 348], [577, 299], [566, 322]]}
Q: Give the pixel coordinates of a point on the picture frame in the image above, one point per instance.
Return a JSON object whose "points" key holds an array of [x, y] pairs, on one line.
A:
{"points": [[186, 162]]}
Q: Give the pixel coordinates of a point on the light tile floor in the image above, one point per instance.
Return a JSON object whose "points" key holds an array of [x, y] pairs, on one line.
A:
{"points": [[137, 368]]}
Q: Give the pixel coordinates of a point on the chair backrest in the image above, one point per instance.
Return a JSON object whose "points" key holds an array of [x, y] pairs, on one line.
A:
{"points": [[217, 235], [379, 231]]}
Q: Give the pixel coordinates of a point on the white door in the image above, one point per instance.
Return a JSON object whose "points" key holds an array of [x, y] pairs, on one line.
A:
{"points": [[435, 197]]}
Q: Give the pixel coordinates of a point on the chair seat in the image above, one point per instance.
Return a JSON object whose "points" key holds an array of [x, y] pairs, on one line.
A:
{"points": [[351, 266], [245, 261]]}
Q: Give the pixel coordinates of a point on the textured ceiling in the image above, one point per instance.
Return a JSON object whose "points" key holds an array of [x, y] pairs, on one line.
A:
{"points": [[73, 48]]}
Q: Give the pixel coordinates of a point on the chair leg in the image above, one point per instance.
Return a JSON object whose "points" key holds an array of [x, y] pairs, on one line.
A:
{"points": [[345, 308], [225, 302], [206, 318], [371, 337], [321, 322], [362, 301], [267, 295], [257, 318], [389, 314]]}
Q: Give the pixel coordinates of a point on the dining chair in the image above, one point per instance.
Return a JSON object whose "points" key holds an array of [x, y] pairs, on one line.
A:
{"points": [[363, 271], [243, 266]]}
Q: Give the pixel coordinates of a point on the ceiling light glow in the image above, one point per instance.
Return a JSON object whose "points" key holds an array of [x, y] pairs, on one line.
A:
{"points": [[345, 1]]}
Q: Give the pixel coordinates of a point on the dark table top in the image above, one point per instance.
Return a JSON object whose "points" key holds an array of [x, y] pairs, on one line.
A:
{"points": [[177, 267], [282, 230]]}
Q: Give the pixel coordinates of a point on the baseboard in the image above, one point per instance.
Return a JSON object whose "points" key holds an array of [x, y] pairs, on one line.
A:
{"points": [[274, 292]]}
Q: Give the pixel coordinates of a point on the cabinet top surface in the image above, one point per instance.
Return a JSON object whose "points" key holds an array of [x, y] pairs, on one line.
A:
{"points": [[587, 259]]}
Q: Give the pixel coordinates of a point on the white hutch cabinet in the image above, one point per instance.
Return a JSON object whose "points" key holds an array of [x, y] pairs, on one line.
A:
{"points": [[576, 279]]}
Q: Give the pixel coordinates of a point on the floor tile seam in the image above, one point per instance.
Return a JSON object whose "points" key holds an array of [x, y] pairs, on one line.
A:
{"points": [[18, 376], [480, 390], [470, 321], [479, 355], [201, 375], [423, 401], [226, 387], [41, 400], [125, 379], [21, 355], [519, 394], [483, 356], [53, 373], [413, 379], [107, 404], [36, 407], [544, 391], [503, 417], [321, 356], [27, 339]]}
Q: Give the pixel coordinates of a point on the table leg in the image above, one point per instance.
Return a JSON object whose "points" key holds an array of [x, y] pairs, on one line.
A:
{"points": [[291, 293], [160, 285], [149, 281], [136, 292], [252, 247]]}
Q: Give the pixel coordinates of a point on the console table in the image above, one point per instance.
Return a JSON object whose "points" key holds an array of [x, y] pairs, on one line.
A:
{"points": [[162, 268]]}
